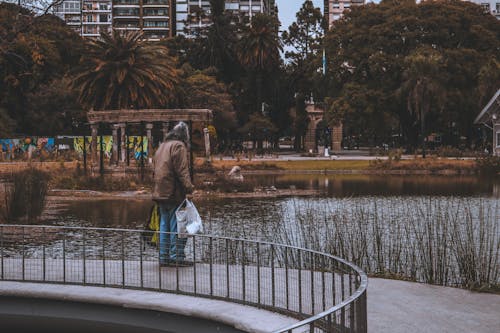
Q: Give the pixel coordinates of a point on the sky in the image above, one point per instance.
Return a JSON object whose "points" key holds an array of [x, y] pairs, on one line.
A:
{"points": [[288, 8]]}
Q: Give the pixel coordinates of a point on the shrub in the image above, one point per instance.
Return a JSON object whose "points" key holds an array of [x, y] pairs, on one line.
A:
{"points": [[26, 196], [488, 165]]}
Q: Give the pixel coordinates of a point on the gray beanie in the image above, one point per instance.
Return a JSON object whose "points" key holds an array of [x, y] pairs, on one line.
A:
{"points": [[179, 132]]}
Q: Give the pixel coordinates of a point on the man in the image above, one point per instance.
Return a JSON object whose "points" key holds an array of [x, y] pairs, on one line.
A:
{"points": [[172, 183]]}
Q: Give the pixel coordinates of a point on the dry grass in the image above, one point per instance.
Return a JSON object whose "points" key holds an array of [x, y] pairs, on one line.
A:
{"points": [[291, 165], [426, 164]]}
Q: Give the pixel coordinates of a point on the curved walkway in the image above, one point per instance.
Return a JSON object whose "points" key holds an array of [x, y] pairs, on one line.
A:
{"points": [[393, 306], [398, 306], [245, 318]]}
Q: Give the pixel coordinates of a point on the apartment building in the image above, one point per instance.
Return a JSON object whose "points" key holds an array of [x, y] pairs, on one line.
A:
{"points": [[156, 18], [196, 14], [334, 9], [491, 6], [87, 17], [92, 17]]}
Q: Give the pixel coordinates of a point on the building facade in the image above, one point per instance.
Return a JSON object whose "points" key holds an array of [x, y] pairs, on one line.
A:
{"points": [[492, 6], [196, 15], [90, 18], [334, 9], [156, 18]]}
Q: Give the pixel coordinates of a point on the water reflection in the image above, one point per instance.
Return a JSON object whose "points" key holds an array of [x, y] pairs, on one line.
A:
{"points": [[384, 185]]}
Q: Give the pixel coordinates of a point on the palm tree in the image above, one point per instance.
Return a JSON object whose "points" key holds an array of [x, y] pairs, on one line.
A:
{"points": [[123, 71], [259, 49]]}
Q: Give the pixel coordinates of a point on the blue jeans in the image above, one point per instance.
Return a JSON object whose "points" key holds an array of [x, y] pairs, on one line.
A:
{"points": [[171, 247]]}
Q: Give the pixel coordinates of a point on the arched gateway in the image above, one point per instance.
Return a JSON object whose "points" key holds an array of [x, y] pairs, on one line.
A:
{"points": [[319, 135], [145, 123]]}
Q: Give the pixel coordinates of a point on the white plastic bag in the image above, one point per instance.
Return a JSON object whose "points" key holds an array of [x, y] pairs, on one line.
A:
{"points": [[188, 219]]}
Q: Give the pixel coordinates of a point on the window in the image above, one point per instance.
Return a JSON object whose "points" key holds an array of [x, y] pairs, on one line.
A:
{"points": [[486, 7], [498, 7], [103, 18], [232, 6], [498, 140], [90, 18]]}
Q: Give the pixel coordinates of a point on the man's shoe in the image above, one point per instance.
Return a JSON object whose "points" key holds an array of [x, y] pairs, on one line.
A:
{"points": [[167, 263], [183, 263]]}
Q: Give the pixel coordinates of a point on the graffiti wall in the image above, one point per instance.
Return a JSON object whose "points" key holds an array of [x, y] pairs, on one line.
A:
{"points": [[71, 146]]}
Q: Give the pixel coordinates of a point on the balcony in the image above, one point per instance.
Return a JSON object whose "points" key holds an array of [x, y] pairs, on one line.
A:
{"points": [[155, 3]]}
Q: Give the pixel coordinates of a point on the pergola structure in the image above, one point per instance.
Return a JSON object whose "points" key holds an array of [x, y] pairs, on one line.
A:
{"points": [[490, 117], [119, 119]]}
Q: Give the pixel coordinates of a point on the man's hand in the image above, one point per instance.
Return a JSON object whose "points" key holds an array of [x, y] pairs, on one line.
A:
{"points": [[191, 195]]}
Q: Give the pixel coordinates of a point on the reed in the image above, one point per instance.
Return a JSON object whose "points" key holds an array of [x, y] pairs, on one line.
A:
{"points": [[442, 241], [25, 195]]}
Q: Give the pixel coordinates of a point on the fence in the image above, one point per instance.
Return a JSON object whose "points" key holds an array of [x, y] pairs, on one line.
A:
{"points": [[325, 293]]}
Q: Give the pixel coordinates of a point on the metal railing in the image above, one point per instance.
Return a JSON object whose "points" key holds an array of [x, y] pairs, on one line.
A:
{"points": [[326, 293]]}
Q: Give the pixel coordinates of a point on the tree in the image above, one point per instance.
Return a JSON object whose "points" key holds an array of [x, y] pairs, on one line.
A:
{"points": [[305, 35], [258, 128], [300, 122], [422, 86], [259, 51], [33, 51], [200, 89], [53, 109], [377, 48], [122, 71]]}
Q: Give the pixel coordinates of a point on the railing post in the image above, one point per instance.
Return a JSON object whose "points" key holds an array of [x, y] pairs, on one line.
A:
{"points": [[227, 268], [273, 282], [44, 263], [83, 259], [1, 250], [299, 262], [103, 259], [159, 256], [211, 251], [312, 283], [258, 273], [141, 264], [243, 278], [123, 258], [64, 257], [194, 264], [24, 254], [287, 284]]}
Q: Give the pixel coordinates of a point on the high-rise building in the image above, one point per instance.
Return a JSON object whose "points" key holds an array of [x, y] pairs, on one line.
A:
{"points": [[156, 18], [334, 9], [97, 16], [491, 6], [198, 12]]}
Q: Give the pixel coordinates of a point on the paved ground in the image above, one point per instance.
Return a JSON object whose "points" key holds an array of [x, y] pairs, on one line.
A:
{"points": [[397, 306], [393, 306]]}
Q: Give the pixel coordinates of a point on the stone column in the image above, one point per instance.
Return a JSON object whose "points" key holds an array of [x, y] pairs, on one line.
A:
{"points": [[114, 155], [124, 143], [337, 138], [310, 138], [149, 127], [93, 131], [207, 143]]}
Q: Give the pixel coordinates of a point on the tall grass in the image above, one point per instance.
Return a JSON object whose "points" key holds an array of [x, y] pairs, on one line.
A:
{"points": [[443, 241], [25, 196]]}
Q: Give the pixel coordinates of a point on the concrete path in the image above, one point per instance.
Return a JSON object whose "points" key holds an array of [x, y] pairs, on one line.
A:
{"points": [[393, 306], [398, 306]]}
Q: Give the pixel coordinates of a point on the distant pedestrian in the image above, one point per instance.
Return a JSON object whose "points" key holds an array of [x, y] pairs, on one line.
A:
{"points": [[172, 184]]}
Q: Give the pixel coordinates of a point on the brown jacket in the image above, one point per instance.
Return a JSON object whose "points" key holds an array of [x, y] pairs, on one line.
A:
{"points": [[171, 173]]}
